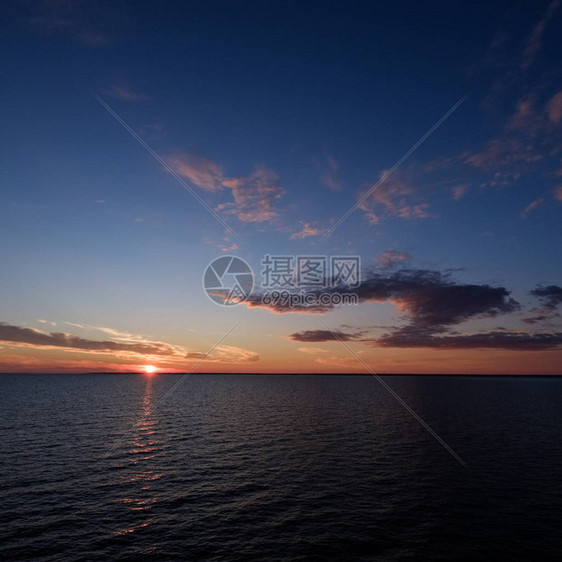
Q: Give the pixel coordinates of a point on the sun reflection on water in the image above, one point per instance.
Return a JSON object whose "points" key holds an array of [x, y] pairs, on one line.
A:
{"points": [[139, 452]]}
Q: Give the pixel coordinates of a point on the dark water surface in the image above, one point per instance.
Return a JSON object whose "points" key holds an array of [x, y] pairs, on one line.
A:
{"points": [[279, 467]]}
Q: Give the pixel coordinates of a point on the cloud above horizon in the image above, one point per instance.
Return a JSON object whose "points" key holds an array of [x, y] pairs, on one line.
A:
{"points": [[434, 304], [412, 338], [123, 346]]}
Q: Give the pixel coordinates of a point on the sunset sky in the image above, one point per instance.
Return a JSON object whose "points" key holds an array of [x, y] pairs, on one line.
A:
{"points": [[280, 116]]}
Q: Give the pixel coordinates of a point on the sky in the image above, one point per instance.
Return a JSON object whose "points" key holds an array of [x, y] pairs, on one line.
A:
{"points": [[142, 140]]}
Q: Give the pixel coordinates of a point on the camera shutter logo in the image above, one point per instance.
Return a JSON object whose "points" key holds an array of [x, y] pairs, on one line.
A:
{"points": [[228, 280]]}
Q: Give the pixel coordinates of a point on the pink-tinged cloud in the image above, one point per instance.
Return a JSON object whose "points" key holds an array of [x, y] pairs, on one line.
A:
{"points": [[532, 206], [226, 354], [124, 347], [558, 193], [254, 195], [525, 118], [392, 258], [200, 171], [35, 338], [459, 191], [307, 230], [505, 158], [396, 197], [554, 108], [329, 176]]}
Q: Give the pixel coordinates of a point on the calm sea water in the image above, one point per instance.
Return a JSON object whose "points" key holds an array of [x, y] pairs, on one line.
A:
{"points": [[279, 468]]}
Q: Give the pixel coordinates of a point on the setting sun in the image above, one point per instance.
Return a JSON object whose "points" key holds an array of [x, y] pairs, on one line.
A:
{"points": [[149, 369]]}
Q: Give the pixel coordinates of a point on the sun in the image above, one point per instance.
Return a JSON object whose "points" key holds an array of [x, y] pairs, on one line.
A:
{"points": [[149, 369]]}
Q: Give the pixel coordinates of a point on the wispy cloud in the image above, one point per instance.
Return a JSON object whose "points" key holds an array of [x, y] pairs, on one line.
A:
{"points": [[308, 229], [124, 93], [329, 176], [226, 354], [123, 347], [459, 191], [392, 258], [200, 171], [36, 338], [554, 108], [398, 196], [534, 41], [253, 196], [531, 207]]}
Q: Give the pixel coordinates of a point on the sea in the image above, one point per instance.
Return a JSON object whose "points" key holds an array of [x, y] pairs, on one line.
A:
{"points": [[280, 467]]}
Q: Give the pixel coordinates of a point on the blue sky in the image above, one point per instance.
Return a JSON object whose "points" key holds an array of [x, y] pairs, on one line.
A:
{"points": [[280, 116]]}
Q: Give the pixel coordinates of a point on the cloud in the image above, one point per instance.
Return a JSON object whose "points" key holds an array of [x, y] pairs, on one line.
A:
{"points": [[429, 299], [127, 347], [505, 158], [314, 336], [526, 143], [307, 230], [409, 337], [342, 363], [534, 42], [550, 296], [433, 300], [558, 193], [35, 338], [311, 350], [459, 191], [329, 176], [254, 195], [225, 354], [516, 341], [392, 258], [531, 206], [198, 170], [395, 196], [124, 93], [554, 108], [525, 117]]}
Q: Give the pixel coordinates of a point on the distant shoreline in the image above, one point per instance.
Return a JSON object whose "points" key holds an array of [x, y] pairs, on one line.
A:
{"points": [[297, 374]]}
